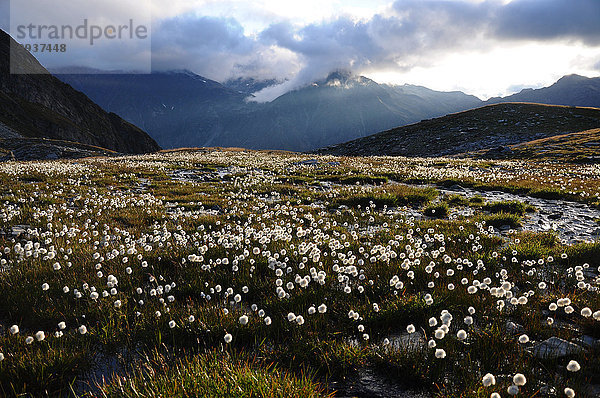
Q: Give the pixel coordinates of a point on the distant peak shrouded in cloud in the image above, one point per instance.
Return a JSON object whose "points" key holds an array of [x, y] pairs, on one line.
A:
{"points": [[415, 34]]}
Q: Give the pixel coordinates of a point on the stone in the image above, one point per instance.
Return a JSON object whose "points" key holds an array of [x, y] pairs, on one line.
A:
{"points": [[514, 328], [555, 347]]}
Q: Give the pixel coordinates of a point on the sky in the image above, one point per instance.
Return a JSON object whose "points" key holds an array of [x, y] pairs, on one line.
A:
{"points": [[481, 47]]}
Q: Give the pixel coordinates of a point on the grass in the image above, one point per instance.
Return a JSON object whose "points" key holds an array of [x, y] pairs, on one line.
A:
{"points": [[189, 260], [390, 196], [439, 210], [214, 374], [509, 206]]}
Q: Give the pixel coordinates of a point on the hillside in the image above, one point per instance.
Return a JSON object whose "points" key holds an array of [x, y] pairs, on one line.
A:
{"points": [[41, 106], [181, 109], [491, 126], [578, 147]]}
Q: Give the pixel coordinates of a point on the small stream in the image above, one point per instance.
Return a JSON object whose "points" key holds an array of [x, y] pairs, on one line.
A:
{"points": [[573, 221]]}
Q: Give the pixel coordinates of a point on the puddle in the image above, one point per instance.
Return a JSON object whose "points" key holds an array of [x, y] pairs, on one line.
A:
{"points": [[369, 384]]}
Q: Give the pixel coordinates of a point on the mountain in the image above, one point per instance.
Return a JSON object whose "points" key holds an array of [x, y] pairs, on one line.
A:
{"points": [[571, 90], [34, 106], [179, 108], [489, 127]]}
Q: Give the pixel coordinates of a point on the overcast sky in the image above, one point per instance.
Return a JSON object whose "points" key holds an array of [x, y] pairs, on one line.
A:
{"points": [[486, 48]]}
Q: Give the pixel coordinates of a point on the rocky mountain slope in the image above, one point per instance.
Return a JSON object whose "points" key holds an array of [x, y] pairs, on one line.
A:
{"points": [[572, 90], [182, 109], [41, 106], [490, 127]]}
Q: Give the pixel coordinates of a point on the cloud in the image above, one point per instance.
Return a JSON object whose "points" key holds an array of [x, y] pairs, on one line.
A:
{"points": [[550, 19], [5, 15], [418, 32], [404, 36], [216, 47]]}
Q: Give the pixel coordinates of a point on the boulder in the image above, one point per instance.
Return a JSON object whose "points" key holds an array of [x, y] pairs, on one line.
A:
{"points": [[555, 347]]}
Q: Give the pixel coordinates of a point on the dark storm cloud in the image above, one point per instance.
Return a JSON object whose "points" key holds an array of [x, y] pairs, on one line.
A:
{"points": [[206, 44], [4, 15], [550, 19], [202, 34]]}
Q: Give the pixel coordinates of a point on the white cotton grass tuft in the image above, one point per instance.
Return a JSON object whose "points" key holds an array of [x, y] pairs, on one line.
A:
{"points": [[439, 333], [512, 390], [14, 329], [82, 329], [586, 312], [523, 339], [410, 328], [569, 392], [488, 380], [573, 366], [243, 319], [440, 353], [227, 338], [519, 379], [40, 336], [461, 335]]}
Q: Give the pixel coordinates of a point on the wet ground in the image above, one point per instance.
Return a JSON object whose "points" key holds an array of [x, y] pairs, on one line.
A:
{"points": [[572, 221]]}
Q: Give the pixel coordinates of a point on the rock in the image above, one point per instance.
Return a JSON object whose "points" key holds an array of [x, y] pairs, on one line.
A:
{"points": [[555, 347], [514, 328], [18, 230], [309, 162], [555, 216], [499, 151]]}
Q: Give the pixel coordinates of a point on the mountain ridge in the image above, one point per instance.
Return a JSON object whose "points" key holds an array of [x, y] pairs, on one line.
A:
{"points": [[300, 120], [41, 106]]}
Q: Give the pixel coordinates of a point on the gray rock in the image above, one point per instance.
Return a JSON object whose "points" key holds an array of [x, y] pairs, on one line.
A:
{"points": [[555, 347], [18, 230], [514, 328]]}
